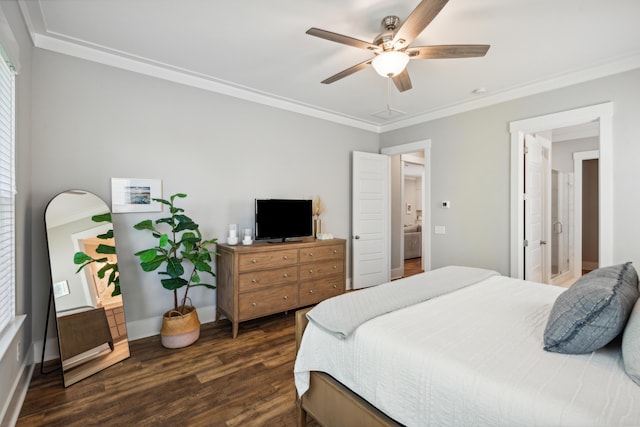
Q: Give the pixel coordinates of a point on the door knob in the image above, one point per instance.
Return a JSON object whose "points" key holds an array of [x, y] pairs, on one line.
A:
{"points": [[356, 237], [543, 242]]}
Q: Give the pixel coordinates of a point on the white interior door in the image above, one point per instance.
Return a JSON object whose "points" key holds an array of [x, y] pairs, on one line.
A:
{"points": [[371, 219], [533, 217]]}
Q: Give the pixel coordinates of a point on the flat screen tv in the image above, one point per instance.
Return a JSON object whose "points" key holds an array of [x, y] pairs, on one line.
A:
{"points": [[283, 219]]}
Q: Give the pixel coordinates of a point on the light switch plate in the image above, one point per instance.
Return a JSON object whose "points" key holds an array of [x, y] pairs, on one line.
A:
{"points": [[440, 229]]}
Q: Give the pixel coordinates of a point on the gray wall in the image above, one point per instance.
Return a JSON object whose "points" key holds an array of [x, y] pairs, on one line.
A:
{"points": [[471, 168], [93, 122]]}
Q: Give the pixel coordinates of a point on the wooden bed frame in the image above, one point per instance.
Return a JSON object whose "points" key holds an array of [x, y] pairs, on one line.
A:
{"points": [[329, 402]]}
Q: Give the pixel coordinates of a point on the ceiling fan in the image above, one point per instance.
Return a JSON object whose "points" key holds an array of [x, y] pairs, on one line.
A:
{"points": [[392, 46]]}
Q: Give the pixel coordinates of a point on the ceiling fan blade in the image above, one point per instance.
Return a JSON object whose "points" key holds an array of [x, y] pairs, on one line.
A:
{"points": [[417, 21], [402, 81], [448, 51], [339, 38], [344, 73]]}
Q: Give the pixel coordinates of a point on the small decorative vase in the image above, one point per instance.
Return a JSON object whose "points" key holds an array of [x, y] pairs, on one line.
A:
{"points": [[317, 227], [180, 329]]}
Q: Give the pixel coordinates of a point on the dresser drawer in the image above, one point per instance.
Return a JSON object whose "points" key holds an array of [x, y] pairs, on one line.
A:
{"points": [[268, 301], [317, 290], [261, 279], [321, 253], [316, 270], [261, 260]]}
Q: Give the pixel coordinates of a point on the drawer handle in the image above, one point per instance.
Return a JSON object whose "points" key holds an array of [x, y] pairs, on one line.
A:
{"points": [[335, 287], [253, 261], [254, 304], [285, 257], [335, 251], [335, 267], [311, 271], [285, 275], [285, 297], [310, 291], [310, 253], [254, 281]]}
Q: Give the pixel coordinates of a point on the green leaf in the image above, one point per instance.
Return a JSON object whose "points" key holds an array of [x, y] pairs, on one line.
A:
{"points": [[173, 283], [203, 266], [164, 239], [81, 257], [147, 254], [195, 278], [145, 225], [181, 195], [106, 249], [163, 201], [104, 270], [105, 217], [174, 267], [153, 264], [105, 236]]}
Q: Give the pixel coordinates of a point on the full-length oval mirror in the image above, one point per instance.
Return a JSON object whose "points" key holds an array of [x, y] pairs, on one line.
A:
{"points": [[92, 332]]}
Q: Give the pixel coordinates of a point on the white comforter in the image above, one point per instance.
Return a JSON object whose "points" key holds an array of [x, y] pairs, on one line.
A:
{"points": [[474, 358]]}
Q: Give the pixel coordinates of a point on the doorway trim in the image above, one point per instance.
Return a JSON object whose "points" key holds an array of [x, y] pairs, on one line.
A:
{"points": [[425, 146], [603, 113]]}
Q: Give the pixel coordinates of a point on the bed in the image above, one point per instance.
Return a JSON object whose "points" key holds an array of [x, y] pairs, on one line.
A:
{"points": [[467, 356]]}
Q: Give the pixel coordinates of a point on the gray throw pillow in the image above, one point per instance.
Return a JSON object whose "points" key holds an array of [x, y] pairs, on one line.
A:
{"points": [[631, 345], [593, 311]]}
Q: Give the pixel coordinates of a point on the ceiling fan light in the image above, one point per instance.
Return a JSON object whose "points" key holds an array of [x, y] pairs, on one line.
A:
{"points": [[390, 63]]}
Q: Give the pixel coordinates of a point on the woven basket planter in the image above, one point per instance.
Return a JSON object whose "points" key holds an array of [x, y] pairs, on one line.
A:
{"points": [[180, 329]]}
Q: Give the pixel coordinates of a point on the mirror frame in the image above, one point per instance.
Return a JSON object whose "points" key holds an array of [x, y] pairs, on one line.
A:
{"points": [[91, 328]]}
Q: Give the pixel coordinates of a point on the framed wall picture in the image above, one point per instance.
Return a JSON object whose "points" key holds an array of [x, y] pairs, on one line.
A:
{"points": [[135, 195], [60, 289]]}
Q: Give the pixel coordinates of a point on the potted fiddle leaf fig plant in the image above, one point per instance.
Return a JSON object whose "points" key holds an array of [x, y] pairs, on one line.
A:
{"points": [[183, 255]]}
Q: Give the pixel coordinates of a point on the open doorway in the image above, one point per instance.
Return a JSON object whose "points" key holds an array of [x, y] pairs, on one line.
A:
{"points": [[573, 220], [409, 205], [600, 118], [410, 176]]}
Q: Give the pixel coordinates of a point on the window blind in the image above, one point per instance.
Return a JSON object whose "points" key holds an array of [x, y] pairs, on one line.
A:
{"points": [[7, 192]]}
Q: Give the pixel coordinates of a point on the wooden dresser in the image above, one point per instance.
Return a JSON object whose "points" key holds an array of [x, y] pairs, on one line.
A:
{"points": [[266, 278]]}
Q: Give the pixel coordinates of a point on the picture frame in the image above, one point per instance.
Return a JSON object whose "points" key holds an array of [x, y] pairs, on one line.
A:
{"points": [[61, 289], [135, 195]]}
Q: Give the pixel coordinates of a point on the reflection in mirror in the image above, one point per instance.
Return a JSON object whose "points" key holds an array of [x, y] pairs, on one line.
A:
{"points": [[92, 333]]}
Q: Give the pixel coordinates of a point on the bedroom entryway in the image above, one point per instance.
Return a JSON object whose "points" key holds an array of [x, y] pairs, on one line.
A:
{"points": [[410, 207], [372, 259], [561, 219]]}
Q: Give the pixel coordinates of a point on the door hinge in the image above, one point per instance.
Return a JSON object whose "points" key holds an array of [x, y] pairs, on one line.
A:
{"points": [[526, 150], [526, 243]]}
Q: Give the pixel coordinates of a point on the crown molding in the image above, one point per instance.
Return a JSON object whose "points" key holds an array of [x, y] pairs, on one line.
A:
{"points": [[44, 39]]}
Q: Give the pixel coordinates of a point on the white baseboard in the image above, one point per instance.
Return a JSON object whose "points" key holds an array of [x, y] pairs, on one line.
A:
{"points": [[51, 352], [149, 327], [19, 392], [397, 273]]}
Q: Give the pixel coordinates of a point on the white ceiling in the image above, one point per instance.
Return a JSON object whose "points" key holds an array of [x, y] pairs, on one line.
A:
{"points": [[258, 50]]}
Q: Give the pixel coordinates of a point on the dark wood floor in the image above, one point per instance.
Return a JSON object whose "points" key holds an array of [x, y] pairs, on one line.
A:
{"points": [[219, 381], [412, 266]]}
